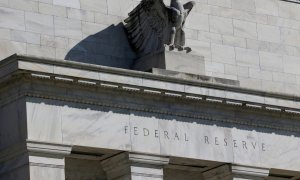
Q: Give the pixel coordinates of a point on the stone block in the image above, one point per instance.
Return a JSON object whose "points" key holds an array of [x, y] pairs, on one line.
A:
{"points": [[12, 19], [220, 25], [290, 36], [36, 67], [258, 45], [269, 7], [68, 3], [86, 127], [271, 86], [120, 7], [39, 23], [200, 47], [291, 64], [92, 5], [283, 22], [76, 73], [197, 21], [234, 41], [246, 57], [67, 28], [245, 29], [140, 135], [224, 54], [52, 41], [214, 67], [280, 48], [284, 77], [92, 28], [223, 3], [231, 69], [107, 19], [246, 5], [171, 60], [81, 14], [209, 37], [43, 126], [27, 5], [41, 51], [250, 83], [5, 34], [8, 48], [243, 71], [26, 37], [268, 33], [292, 89], [270, 61], [51, 9], [191, 33], [289, 10], [121, 79], [259, 74], [234, 13]]}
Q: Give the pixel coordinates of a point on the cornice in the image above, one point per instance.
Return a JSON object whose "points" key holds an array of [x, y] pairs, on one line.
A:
{"points": [[36, 76], [36, 148], [146, 75]]}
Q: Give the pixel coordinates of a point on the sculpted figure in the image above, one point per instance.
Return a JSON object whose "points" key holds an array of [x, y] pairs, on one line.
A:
{"points": [[152, 24]]}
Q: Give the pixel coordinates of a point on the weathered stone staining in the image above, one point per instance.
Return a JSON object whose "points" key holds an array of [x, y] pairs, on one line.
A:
{"points": [[141, 134], [227, 110]]}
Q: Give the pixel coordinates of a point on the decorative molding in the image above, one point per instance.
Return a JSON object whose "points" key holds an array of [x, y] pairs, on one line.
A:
{"points": [[90, 101], [228, 171], [130, 73], [35, 148], [30, 76], [249, 171], [46, 148]]}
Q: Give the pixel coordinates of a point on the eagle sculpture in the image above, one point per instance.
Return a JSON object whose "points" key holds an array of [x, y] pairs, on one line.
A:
{"points": [[152, 24]]}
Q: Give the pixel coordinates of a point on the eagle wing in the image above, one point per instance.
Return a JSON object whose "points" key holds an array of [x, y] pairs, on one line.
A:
{"points": [[147, 25]]}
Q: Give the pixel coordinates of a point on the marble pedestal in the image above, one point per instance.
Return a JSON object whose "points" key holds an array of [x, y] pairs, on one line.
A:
{"points": [[178, 61]]}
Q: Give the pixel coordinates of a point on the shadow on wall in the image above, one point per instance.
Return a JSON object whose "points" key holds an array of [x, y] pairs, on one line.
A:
{"points": [[109, 47]]}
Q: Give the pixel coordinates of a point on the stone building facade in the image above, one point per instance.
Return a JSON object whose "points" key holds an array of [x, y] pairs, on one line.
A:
{"points": [[72, 108]]}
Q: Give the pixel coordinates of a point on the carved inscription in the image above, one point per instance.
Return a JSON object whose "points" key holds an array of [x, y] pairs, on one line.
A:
{"points": [[185, 137]]}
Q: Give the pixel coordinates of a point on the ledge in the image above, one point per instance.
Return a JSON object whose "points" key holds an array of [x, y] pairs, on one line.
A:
{"points": [[128, 80]]}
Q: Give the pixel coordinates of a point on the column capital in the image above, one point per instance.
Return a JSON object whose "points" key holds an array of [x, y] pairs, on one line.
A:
{"points": [[232, 171], [253, 172], [133, 164]]}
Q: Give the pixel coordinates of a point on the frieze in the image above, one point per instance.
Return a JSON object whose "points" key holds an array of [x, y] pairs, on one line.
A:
{"points": [[208, 140]]}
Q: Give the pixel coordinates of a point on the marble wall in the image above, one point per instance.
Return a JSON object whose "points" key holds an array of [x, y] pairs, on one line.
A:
{"points": [[253, 41], [165, 135]]}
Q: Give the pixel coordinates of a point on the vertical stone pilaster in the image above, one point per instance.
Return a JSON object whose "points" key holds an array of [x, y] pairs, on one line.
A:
{"points": [[129, 166], [236, 172], [33, 160], [46, 160]]}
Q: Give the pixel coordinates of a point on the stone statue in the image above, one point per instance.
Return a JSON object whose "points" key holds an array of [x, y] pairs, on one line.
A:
{"points": [[152, 24]]}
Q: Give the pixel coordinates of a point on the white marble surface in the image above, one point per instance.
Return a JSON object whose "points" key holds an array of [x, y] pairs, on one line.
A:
{"points": [[94, 128], [171, 136], [44, 123]]}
